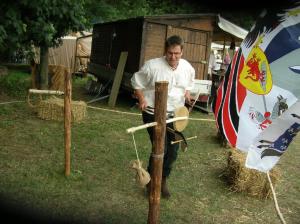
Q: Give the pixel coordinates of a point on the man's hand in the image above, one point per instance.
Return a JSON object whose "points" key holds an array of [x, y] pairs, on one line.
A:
{"points": [[140, 96], [142, 104], [187, 96]]}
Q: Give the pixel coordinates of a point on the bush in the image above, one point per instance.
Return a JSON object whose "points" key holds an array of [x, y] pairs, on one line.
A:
{"points": [[16, 83]]}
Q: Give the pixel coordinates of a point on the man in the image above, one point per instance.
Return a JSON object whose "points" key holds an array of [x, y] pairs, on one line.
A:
{"points": [[212, 64], [180, 75]]}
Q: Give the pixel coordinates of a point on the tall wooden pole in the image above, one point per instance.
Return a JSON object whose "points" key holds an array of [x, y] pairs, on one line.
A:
{"points": [[161, 92], [67, 123]]}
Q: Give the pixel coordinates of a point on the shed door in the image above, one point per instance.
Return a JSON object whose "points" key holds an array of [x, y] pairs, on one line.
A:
{"points": [[196, 48]]}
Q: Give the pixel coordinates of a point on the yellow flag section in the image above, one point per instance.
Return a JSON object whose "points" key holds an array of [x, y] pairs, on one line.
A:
{"points": [[256, 75]]}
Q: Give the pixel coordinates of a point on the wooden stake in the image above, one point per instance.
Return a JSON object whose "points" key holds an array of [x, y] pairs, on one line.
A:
{"points": [[67, 123], [143, 126], [161, 92], [134, 129], [178, 141], [48, 92]]}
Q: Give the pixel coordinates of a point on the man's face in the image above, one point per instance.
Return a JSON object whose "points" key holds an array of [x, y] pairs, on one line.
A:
{"points": [[173, 54]]}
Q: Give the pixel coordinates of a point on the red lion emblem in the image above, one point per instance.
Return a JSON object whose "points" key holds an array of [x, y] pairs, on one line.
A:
{"points": [[254, 72]]}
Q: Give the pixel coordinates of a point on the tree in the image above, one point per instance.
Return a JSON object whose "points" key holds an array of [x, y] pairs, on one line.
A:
{"points": [[41, 23], [108, 10]]}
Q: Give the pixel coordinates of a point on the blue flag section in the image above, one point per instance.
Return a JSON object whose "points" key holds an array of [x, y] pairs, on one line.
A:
{"points": [[257, 105]]}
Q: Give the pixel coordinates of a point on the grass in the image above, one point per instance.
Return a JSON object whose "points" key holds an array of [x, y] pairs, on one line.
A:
{"points": [[15, 83], [102, 187]]}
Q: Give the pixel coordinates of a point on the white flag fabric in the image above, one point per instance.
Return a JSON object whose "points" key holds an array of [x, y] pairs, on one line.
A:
{"points": [[261, 85], [267, 147]]}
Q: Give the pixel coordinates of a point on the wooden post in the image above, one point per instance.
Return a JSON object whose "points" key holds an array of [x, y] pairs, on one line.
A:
{"points": [[161, 92], [67, 123]]}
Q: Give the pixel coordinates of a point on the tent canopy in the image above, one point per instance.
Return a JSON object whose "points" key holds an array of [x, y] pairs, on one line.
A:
{"points": [[231, 28], [227, 32]]}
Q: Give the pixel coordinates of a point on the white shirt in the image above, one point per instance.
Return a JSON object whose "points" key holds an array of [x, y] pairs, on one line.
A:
{"points": [[158, 69], [212, 63]]}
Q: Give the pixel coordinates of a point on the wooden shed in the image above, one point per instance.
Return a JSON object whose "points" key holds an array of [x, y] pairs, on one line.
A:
{"points": [[143, 38]]}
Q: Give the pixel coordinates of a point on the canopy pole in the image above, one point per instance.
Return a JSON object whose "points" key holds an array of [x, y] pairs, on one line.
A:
{"points": [[161, 92]]}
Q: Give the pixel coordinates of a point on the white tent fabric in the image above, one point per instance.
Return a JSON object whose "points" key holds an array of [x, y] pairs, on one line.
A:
{"points": [[231, 28], [64, 54]]}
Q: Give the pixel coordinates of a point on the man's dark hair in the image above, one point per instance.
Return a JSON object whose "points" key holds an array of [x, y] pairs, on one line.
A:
{"points": [[174, 40]]}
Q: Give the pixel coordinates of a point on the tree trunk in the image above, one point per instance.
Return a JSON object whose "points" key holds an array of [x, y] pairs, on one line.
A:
{"points": [[43, 71]]}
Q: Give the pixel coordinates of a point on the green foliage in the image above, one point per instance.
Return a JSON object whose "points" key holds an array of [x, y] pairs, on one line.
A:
{"points": [[44, 22], [16, 83], [40, 23], [159, 7], [108, 10], [50, 20], [103, 10], [12, 27]]}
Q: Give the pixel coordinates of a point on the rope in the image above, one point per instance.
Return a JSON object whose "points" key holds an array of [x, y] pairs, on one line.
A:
{"points": [[142, 177], [157, 156], [139, 114], [116, 111], [136, 152], [275, 200], [12, 102]]}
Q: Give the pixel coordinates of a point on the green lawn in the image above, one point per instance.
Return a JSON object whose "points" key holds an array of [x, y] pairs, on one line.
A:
{"points": [[102, 187]]}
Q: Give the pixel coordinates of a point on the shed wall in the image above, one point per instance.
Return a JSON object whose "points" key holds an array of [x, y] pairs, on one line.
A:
{"points": [[153, 44], [110, 39], [144, 38]]}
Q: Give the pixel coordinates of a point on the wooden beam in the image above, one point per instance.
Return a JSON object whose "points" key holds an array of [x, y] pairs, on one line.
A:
{"points": [[117, 80]]}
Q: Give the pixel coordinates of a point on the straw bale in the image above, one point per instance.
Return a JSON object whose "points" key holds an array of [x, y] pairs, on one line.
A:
{"points": [[251, 181], [53, 109]]}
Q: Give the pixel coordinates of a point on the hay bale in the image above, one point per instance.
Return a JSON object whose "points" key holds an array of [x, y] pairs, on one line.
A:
{"points": [[251, 181], [53, 109]]}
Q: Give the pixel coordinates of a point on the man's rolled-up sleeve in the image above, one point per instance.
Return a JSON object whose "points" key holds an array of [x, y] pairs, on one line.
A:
{"points": [[140, 78], [191, 80]]}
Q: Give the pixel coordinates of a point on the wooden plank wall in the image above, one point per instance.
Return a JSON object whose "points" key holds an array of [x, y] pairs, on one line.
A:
{"points": [[155, 36], [195, 48]]}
